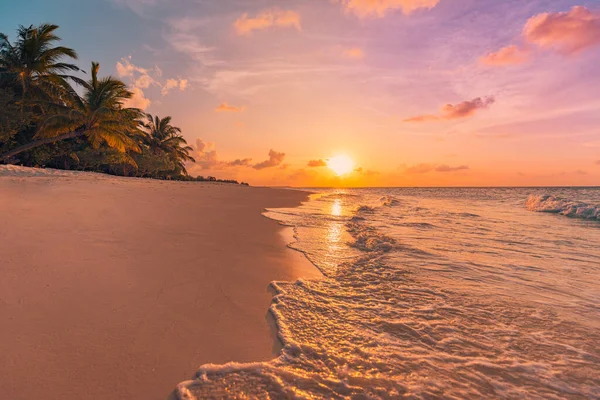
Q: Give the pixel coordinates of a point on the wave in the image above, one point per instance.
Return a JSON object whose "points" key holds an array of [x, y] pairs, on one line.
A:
{"points": [[418, 225], [389, 201], [365, 209], [568, 208], [385, 201], [368, 239], [380, 325]]}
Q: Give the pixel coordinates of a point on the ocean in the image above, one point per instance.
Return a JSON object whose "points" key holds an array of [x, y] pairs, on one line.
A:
{"points": [[434, 293]]}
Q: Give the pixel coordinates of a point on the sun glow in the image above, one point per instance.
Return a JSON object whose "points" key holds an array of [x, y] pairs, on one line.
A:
{"points": [[341, 164]]}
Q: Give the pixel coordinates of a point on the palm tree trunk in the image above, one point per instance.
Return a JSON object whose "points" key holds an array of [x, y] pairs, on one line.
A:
{"points": [[40, 142]]}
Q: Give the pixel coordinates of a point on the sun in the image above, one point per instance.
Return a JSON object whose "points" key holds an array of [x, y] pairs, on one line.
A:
{"points": [[341, 164]]}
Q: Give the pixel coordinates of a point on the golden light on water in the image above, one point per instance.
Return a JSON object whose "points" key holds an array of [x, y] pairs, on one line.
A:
{"points": [[341, 164], [336, 208]]}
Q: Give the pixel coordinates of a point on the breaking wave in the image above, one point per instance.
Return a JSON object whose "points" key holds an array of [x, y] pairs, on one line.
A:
{"points": [[468, 308], [568, 208]]}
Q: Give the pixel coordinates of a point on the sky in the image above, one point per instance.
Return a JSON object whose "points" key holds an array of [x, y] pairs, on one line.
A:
{"points": [[415, 92]]}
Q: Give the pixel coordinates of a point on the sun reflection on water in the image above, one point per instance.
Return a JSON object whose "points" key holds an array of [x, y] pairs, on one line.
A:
{"points": [[334, 234], [336, 208], [335, 229]]}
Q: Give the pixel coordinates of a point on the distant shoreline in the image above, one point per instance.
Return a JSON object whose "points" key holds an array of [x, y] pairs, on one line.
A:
{"points": [[8, 169]]}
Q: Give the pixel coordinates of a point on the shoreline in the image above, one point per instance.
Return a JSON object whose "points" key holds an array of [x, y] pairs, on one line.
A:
{"points": [[117, 287]]}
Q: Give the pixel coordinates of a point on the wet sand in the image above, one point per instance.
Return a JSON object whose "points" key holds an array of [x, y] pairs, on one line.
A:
{"points": [[120, 288]]}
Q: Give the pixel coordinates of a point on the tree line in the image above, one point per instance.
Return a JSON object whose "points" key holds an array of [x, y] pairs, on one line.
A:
{"points": [[50, 117]]}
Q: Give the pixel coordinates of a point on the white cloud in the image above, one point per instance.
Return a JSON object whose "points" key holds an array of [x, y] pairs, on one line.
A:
{"points": [[138, 100], [140, 79], [170, 84]]}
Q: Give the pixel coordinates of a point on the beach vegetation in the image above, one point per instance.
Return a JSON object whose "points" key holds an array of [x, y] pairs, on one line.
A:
{"points": [[54, 114]]}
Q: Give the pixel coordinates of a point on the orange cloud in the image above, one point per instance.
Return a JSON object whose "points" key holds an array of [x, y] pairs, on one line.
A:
{"points": [[509, 55], [275, 159], [317, 163], [240, 162], [419, 169], [426, 168], [355, 52], [245, 25], [366, 172], [378, 8], [566, 32], [456, 111], [447, 168], [224, 107]]}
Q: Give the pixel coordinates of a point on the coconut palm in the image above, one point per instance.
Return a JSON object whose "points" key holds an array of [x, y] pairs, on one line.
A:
{"points": [[99, 115], [35, 63], [162, 137]]}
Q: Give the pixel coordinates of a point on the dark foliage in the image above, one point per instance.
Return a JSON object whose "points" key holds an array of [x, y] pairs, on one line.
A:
{"points": [[46, 122]]}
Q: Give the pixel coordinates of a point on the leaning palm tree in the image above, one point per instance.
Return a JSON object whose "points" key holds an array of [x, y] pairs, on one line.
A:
{"points": [[35, 63], [162, 137], [99, 115]]}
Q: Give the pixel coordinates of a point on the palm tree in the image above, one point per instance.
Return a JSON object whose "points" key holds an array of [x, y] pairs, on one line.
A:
{"points": [[99, 115], [162, 137], [34, 63]]}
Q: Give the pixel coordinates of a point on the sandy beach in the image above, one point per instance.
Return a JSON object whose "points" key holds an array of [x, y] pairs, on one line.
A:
{"points": [[118, 288]]}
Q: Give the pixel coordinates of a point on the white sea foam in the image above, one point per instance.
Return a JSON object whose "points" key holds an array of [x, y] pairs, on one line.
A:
{"points": [[569, 208], [487, 301]]}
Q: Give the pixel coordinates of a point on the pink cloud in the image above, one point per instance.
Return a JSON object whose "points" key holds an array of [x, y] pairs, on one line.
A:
{"points": [[206, 157], [205, 154], [566, 32], [509, 55], [245, 25], [378, 8], [456, 111]]}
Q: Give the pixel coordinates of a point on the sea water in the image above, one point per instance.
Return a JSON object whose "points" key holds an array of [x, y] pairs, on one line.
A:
{"points": [[434, 293]]}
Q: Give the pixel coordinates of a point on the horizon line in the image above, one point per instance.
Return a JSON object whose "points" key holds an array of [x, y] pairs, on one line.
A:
{"points": [[436, 187]]}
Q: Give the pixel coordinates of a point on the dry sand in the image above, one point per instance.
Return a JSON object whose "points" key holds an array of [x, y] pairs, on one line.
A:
{"points": [[114, 288]]}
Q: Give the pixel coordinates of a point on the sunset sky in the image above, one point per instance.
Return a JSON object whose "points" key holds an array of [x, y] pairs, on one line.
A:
{"points": [[415, 92]]}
